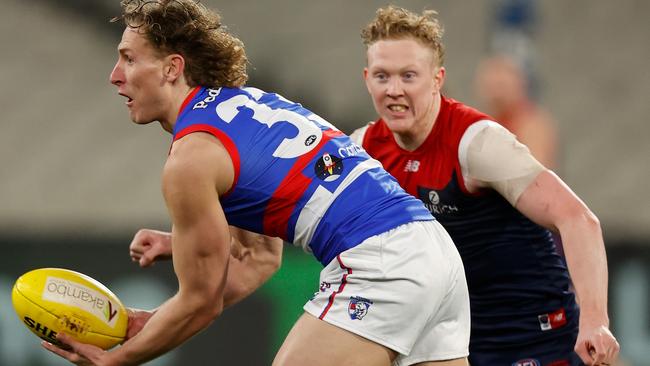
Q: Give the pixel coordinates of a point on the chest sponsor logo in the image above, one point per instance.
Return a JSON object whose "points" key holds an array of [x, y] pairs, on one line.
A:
{"points": [[434, 203], [434, 197], [329, 167], [351, 150]]}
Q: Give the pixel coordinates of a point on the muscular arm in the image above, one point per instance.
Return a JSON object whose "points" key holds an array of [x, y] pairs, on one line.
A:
{"points": [[551, 203], [200, 245], [491, 157], [494, 159], [254, 259]]}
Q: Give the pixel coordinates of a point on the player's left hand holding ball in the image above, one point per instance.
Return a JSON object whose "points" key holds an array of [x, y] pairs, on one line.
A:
{"points": [[87, 354]]}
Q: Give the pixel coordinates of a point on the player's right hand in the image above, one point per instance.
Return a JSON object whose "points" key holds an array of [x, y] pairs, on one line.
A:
{"points": [[149, 246], [596, 345]]}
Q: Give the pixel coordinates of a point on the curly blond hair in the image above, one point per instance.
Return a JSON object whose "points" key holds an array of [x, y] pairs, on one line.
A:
{"points": [[393, 22], [214, 57]]}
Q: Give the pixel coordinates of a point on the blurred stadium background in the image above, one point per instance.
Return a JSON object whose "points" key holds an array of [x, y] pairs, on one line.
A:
{"points": [[78, 178]]}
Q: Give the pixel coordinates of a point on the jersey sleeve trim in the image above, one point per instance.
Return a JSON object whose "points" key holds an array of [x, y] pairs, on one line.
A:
{"points": [[230, 146], [188, 99]]}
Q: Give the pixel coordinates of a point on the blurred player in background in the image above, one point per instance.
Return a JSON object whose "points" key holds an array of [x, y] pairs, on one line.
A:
{"points": [[263, 164], [504, 91], [502, 88], [497, 202]]}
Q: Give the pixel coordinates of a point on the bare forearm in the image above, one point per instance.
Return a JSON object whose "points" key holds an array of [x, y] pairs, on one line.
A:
{"points": [[254, 259], [244, 279], [550, 203], [585, 253], [172, 324]]}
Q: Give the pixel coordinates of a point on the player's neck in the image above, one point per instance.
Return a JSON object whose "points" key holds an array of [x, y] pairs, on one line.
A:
{"points": [[177, 97]]}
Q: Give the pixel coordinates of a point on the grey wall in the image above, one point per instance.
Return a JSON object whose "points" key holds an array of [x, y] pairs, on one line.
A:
{"points": [[71, 160]]}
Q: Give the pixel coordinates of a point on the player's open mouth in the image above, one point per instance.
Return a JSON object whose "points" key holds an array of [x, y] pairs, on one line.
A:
{"points": [[399, 108], [129, 100]]}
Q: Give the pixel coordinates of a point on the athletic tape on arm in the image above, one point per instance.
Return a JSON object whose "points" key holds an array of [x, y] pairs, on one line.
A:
{"points": [[492, 156]]}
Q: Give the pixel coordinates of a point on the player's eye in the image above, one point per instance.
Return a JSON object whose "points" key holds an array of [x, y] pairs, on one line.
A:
{"points": [[409, 76], [381, 76], [129, 60]]}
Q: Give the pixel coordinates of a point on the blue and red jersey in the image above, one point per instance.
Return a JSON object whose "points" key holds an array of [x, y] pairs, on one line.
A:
{"points": [[296, 176]]}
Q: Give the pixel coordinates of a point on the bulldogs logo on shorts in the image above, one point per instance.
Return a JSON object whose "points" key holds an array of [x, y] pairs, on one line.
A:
{"points": [[358, 307], [527, 362]]}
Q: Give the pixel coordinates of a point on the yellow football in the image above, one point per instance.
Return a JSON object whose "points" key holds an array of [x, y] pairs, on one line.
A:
{"points": [[54, 300]]}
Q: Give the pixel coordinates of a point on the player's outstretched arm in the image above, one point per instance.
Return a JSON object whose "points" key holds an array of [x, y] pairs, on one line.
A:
{"points": [[551, 203], [254, 259], [494, 158], [197, 171]]}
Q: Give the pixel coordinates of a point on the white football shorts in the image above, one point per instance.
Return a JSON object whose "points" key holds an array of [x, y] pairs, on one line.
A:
{"points": [[404, 289]]}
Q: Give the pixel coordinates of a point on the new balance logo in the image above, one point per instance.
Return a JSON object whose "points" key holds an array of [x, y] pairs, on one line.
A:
{"points": [[412, 166]]}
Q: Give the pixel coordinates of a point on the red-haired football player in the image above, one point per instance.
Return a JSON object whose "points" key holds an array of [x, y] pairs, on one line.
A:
{"points": [[497, 202]]}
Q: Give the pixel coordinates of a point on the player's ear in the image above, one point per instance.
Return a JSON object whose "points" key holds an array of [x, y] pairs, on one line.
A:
{"points": [[439, 78], [365, 78], [174, 67]]}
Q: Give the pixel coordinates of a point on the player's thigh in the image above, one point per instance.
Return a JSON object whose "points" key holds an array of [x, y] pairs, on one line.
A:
{"points": [[314, 342]]}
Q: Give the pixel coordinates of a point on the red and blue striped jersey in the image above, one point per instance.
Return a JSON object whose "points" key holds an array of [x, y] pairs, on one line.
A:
{"points": [[297, 176]]}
